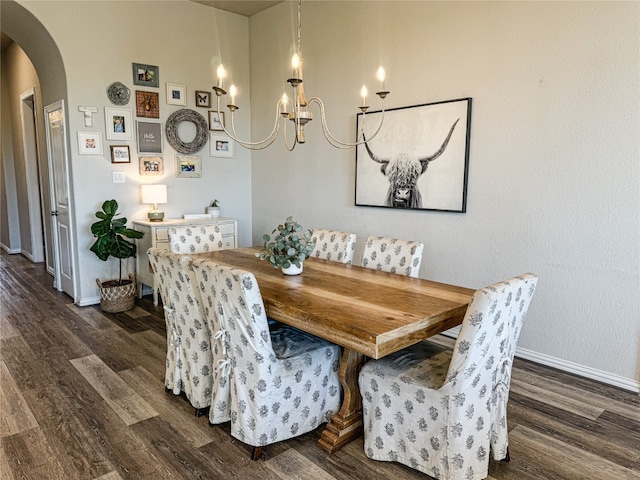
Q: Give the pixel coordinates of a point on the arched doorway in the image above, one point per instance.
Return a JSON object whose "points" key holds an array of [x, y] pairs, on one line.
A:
{"points": [[36, 43]]}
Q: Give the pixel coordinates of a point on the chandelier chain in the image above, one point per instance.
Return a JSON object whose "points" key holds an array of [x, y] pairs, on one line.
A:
{"points": [[299, 28]]}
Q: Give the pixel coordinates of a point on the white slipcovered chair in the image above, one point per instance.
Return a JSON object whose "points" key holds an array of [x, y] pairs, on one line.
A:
{"points": [[189, 358], [195, 239], [281, 383], [334, 245], [441, 411], [392, 255]]}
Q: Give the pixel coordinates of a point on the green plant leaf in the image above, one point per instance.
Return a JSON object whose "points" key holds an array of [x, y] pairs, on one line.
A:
{"points": [[110, 235]]}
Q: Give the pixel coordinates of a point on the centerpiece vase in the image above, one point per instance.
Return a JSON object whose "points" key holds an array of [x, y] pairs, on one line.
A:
{"points": [[293, 270]]}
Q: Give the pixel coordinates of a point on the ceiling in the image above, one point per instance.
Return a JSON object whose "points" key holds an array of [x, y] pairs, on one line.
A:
{"points": [[241, 7]]}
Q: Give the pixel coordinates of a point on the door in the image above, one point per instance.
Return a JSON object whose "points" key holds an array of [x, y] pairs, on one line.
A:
{"points": [[63, 250]]}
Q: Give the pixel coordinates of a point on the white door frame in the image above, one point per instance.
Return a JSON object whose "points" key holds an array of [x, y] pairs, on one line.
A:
{"points": [[32, 174]]}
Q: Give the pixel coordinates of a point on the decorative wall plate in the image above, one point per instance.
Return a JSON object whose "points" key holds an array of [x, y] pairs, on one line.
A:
{"points": [[118, 93], [171, 129]]}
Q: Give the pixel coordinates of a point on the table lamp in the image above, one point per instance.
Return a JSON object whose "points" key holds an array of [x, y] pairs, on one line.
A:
{"points": [[154, 194]]}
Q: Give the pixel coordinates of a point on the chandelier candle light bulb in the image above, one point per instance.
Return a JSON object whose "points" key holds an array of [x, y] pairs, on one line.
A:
{"points": [[363, 92], [380, 75], [233, 91], [295, 65], [221, 74]]}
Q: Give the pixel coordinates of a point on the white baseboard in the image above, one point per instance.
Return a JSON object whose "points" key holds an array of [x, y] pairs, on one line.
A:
{"points": [[565, 366], [11, 251], [581, 370], [85, 302]]}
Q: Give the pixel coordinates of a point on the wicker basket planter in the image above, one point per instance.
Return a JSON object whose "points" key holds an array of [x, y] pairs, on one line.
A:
{"points": [[116, 298]]}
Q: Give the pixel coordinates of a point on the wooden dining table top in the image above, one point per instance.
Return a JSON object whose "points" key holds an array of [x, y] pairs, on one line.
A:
{"points": [[372, 312]]}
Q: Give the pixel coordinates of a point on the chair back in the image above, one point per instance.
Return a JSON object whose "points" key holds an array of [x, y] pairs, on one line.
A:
{"points": [[205, 281], [334, 245], [480, 370], [392, 255], [183, 311], [280, 384], [162, 265], [195, 239]]}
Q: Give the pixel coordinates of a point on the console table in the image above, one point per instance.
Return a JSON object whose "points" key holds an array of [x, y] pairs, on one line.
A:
{"points": [[156, 234]]}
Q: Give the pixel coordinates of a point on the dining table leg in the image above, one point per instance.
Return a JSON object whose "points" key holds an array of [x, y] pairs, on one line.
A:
{"points": [[346, 425]]}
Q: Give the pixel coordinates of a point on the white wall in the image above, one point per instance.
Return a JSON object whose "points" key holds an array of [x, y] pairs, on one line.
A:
{"points": [[9, 220], [553, 175], [98, 42], [21, 168]]}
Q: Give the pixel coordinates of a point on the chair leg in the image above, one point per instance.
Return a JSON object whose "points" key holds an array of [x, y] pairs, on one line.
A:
{"points": [[256, 453], [201, 411], [507, 458]]}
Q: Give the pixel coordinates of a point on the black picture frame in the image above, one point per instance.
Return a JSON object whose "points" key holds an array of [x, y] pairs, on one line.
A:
{"points": [[146, 75], [203, 99], [419, 160]]}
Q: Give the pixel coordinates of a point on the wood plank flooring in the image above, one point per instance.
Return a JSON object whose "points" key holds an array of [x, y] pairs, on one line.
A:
{"points": [[82, 397]]}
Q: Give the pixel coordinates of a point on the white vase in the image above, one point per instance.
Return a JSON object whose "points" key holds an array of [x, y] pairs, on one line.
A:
{"points": [[293, 270], [213, 211]]}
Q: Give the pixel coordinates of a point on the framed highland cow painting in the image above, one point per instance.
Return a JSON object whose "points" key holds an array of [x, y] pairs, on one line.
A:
{"points": [[419, 159]]}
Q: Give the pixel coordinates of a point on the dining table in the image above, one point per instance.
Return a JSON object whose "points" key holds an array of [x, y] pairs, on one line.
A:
{"points": [[370, 313]]}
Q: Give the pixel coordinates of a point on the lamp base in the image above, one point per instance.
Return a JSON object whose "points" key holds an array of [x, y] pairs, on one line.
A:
{"points": [[155, 216]]}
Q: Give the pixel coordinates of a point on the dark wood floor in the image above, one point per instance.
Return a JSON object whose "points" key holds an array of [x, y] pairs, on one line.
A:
{"points": [[82, 397]]}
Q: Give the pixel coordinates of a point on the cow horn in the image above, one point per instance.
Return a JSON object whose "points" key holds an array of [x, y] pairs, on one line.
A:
{"points": [[373, 156], [425, 161]]}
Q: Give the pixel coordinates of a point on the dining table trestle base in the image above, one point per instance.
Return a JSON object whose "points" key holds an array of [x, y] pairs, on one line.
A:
{"points": [[345, 425]]}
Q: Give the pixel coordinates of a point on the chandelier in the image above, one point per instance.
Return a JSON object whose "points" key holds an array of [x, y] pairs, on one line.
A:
{"points": [[296, 108]]}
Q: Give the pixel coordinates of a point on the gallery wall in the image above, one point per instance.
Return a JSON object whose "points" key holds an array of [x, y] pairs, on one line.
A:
{"points": [[186, 41]]}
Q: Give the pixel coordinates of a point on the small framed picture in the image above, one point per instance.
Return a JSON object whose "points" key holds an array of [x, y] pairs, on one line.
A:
{"points": [[147, 104], [120, 154], [89, 143], [176, 94], [203, 99], [149, 137], [220, 146], [118, 123], [216, 121], [188, 166], [151, 166], [145, 75]]}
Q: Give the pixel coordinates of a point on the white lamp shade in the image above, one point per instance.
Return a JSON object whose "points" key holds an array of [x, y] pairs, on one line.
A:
{"points": [[154, 193]]}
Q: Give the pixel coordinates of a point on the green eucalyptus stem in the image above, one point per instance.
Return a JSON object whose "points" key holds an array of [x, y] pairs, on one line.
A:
{"points": [[291, 244]]}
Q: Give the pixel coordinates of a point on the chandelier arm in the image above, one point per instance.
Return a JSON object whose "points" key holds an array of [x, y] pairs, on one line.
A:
{"points": [[286, 143], [252, 145], [334, 141]]}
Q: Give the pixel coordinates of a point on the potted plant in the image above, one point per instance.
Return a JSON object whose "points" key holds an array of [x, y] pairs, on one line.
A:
{"points": [[214, 209], [289, 247], [115, 295]]}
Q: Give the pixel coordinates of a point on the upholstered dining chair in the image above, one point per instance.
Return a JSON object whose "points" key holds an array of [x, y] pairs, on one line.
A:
{"points": [[195, 239], [282, 382], [393, 255], [334, 245], [189, 358], [440, 411]]}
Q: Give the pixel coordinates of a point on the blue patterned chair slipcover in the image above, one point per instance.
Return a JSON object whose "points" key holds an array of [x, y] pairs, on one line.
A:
{"points": [[189, 359], [438, 411], [334, 245], [272, 385], [195, 239], [392, 255]]}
